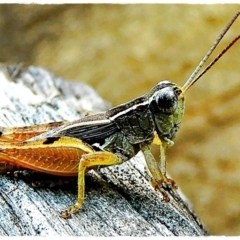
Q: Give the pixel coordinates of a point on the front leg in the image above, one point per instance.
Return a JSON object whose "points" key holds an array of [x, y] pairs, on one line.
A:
{"points": [[163, 145], [158, 170], [162, 165]]}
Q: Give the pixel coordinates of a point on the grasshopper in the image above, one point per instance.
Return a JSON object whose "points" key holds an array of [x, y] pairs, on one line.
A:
{"points": [[107, 138]]}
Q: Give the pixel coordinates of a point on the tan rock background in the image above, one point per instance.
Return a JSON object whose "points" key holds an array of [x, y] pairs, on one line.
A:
{"points": [[123, 51]]}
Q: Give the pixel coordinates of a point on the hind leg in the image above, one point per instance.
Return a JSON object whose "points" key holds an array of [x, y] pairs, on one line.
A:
{"points": [[87, 161]]}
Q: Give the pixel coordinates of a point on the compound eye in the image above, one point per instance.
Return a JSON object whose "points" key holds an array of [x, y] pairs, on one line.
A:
{"points": [[165, 101]]}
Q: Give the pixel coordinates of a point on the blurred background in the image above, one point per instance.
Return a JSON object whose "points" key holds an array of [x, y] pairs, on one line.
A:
{"points": [[123, 51]]}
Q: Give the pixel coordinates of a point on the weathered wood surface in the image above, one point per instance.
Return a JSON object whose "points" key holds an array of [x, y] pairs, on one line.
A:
{"points": [[119, 200]]}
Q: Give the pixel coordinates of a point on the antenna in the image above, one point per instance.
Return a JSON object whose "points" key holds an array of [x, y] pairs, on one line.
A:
{"points": [[192, 79]]}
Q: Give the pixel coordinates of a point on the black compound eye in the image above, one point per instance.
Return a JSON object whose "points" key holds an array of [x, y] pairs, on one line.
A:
{"points": [[164, 101]]}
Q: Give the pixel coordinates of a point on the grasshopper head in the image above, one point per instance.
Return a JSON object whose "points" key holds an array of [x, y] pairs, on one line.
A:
{"points": [[163, 98], [166, 104]]}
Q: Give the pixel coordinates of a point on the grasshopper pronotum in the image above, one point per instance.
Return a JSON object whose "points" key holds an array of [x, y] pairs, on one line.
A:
{"points": [[108, 138]]}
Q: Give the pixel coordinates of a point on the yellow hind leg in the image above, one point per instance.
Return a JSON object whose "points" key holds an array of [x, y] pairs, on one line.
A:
{"points": [[90, 160]]}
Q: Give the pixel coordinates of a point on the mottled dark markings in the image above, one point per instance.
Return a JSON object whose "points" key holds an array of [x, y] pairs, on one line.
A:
{"points": [[51, 140]]}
